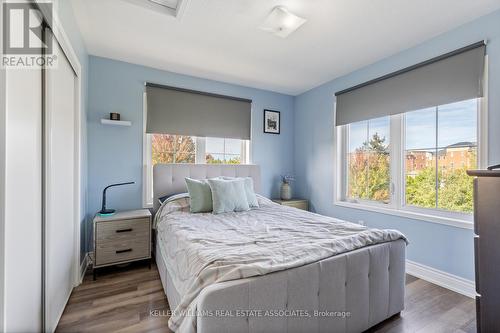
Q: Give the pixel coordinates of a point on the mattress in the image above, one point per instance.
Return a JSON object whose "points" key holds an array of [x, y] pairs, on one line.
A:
{"points": [[203, 252]]}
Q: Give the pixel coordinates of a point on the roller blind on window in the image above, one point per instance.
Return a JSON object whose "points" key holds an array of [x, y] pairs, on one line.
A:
{"points": [[446, 79], [172, 110]]}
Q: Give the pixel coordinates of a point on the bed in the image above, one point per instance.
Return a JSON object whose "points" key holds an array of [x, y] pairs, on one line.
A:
{"points": [[356, 282]]}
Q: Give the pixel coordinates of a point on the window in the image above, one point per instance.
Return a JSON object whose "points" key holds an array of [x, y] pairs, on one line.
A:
{"points": [[445, 139], [413, 163], [224, 151], [168, 148], [368, 176]]}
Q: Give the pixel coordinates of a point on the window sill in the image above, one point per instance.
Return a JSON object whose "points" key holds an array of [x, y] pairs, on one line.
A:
{"points": [[451, 221]]}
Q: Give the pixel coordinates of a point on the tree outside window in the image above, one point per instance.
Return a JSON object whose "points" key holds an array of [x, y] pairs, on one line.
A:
{"points": [[168, 148]]}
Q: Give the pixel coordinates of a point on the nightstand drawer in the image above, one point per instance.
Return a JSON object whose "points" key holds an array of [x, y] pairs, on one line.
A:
{"points": [[117, 251], [121, 238], [122, 230], [299, 204], [295, 203]]}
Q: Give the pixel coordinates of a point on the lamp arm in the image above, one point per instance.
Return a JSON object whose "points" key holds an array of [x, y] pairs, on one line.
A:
{"points": [[103, 207]]}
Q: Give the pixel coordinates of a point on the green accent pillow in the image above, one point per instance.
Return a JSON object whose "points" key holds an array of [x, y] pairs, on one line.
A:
{"points": [[228, 195], [249, 191], [200, 195]]}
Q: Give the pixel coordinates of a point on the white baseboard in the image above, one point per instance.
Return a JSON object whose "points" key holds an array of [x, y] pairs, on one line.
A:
{"points": [[84, 265], [440, 278]]}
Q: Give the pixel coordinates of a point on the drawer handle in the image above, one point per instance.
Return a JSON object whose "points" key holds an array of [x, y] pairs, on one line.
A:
{"points": [[123, 251], [125, 230]]}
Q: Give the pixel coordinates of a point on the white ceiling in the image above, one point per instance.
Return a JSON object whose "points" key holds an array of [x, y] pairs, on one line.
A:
{"points": [[220, 39]]}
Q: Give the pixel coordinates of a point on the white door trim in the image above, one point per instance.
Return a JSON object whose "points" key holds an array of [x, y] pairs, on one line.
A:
{"points": [[62, 38], [3, 112]]}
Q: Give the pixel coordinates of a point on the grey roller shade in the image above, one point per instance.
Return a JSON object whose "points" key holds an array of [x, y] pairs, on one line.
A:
{"points": [[453, 77], [185, 112]]}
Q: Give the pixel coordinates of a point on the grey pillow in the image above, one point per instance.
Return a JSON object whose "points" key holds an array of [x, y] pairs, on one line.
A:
{"points": [[169, 198], [200, 195], [249, 191], [228, 195]]}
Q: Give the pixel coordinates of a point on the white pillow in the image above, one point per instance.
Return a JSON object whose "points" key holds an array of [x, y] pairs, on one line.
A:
{"points": [[228, 195], [249, 191]]}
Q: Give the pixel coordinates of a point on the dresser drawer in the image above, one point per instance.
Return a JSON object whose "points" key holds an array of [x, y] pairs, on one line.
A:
{"points": [[118, 251], [122, 230]]}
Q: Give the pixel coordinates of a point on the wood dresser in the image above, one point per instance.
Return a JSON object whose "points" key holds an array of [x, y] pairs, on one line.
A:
{"points": [[487, 248]]}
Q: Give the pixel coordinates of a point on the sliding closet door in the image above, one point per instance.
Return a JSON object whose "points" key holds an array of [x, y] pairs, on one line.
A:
{"points": [[60, 124], [23, 197]]}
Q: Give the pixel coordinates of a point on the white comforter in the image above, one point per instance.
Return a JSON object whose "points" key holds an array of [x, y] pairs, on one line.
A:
{"points": [[203, 249]]}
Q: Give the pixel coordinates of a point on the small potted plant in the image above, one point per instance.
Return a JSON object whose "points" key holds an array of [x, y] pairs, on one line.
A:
{"points": [[286, 190]]}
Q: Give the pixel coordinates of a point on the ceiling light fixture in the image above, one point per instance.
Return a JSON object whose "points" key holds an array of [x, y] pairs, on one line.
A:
{"points": [[172, 4], [281, 22], [175, 8]]}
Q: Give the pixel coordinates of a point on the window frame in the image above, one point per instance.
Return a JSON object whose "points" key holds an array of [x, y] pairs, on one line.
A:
{"points": [[200, 150], [345, 173], [397, 205]]}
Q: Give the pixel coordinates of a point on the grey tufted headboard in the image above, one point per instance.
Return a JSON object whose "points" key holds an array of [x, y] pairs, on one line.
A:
{"points": [[168, 179]]}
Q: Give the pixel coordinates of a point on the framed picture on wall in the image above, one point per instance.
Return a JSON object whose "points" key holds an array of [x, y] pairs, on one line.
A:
{"points": [[271, 122]]}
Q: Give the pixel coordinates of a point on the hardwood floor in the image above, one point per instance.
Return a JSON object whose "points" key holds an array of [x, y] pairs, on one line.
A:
{"points": [[123, 300], [430, 308]]}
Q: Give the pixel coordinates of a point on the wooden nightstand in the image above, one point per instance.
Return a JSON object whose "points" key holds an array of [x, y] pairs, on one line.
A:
{"points": [[296, 203], [121, 238]]}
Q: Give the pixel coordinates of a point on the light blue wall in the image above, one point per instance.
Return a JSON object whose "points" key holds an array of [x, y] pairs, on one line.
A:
{"points": [[115, 153], [443, 247], [67, 17]]}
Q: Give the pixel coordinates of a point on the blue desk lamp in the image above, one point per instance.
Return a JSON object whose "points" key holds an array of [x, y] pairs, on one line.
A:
{"points": [[109, 212]]}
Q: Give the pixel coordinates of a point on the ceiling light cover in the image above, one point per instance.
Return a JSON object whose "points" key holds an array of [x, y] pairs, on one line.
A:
{"points": [[166, 3], [281, 22], [175, 8]]}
